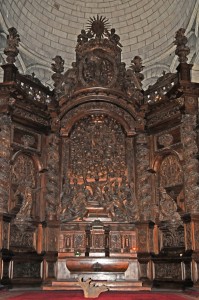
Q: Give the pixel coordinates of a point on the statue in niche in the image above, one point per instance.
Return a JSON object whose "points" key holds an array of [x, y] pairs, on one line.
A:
{"points": [[23, 184], [26, 207], [168, 208], [171, 173]]}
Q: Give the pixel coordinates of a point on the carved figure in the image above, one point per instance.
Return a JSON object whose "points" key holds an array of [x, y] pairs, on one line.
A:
{"points": [[113, 37], [82, 37], [58, 66], [13, 40], [27, 203], [181, 50], [137, 67], [69, 80], [168, 207]]}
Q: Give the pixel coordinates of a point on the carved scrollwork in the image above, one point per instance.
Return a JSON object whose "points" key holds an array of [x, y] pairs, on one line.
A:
{"points": [[173, 236], [191, 163], [52, 185], [5, 133], [143, 177]]}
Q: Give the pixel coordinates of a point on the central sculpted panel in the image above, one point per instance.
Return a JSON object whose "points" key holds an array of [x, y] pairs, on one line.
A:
{"points": [[96, 184]]}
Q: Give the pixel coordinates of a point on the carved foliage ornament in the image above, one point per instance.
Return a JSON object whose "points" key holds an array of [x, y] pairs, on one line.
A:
{"points": [[5, 133], [52, 185], [143, 177], [191, 163]]}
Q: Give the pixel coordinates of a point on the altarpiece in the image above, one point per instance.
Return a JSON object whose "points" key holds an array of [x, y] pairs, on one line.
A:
{"points": [[98, 177]]}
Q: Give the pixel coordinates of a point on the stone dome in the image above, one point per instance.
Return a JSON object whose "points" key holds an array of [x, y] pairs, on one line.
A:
{"points": [[146, 28]]}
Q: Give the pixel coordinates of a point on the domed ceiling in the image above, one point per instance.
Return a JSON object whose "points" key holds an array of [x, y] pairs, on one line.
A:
{"points": [[146, 28]]}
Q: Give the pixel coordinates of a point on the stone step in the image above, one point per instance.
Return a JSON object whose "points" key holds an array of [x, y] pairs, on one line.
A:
{"points": [[112, 285]]}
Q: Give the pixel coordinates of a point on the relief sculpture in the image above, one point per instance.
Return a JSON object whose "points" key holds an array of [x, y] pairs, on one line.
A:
{"points": [[97, 174], [23, 187]]}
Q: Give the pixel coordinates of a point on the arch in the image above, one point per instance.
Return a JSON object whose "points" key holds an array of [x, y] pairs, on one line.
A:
{"points": [[70, 123], [107, 99], [160, 157], [83, 107], [37, 162]]}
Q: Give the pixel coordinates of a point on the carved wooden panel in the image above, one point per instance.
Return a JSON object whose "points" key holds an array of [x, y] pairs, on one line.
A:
{"points": [[25, 138], [5, 133], [188, 236], [172, 236], [53, 177], [196, 235], [171, 172], [52, 239], [26, 269], [143, 180], [23, 186], [97, 148], [167, 138], [171, 271], [20, 239], [95, 170], [191, 163], [6, 235]]}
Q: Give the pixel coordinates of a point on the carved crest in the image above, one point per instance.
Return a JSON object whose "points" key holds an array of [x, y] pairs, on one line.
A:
{"points": [[98, 64]]}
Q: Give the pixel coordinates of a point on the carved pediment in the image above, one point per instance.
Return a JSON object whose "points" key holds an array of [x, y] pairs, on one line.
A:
{"points": [[98, 65]]}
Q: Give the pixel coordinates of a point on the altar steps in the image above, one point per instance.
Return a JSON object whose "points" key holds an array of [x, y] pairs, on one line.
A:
{"points": [[112, 285]]}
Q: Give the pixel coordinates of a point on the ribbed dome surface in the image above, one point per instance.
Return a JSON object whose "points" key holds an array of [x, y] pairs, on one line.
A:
{"points": [[50, 27]]}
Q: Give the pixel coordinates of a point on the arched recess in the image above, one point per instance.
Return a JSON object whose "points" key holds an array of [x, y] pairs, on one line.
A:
{"points": [[169, 185], [25, 185], [97, 156]]}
